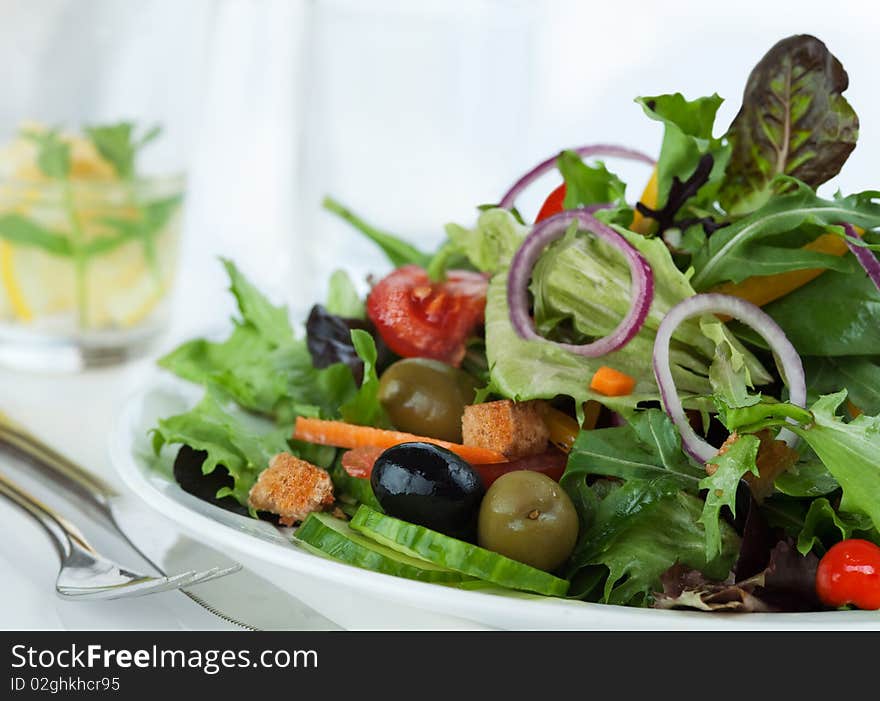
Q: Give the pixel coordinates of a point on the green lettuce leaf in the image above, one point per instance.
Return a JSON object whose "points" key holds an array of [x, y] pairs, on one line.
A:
{"points": [[488, 246], [364, 407], [242, 445], [262, 365], [849, 451], [823, 524], [343, 298], [727, 469], [586, 184], [793, 121], [806, 478], [581, 289], [688, 147]]}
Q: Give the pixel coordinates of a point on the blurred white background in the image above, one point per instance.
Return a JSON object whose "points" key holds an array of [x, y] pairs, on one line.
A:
{"points": [[410, 112]]}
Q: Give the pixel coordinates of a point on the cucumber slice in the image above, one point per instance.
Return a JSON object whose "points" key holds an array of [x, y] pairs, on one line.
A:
{"points": [[329, 536], [454, 554]]}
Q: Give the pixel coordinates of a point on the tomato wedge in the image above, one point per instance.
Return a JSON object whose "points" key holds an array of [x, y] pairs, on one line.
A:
{"points": [[552, 463], [358, 462], [418, 318], [554, 204]]}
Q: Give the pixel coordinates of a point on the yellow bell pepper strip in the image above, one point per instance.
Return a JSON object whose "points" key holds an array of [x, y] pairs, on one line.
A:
{"points": [[640, 223], [564, 429], [763, 289]]}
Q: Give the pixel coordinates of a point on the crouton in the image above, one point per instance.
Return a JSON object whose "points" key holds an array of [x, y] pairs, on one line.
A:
{"points": [[516, 429], [292, 489]]}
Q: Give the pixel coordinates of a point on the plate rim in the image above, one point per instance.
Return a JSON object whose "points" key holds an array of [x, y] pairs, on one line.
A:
{"points": [[479, 606]]}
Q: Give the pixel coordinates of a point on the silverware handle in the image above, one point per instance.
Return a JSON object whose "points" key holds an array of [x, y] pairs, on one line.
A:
{"points": [[62, 533], [58, 468]]}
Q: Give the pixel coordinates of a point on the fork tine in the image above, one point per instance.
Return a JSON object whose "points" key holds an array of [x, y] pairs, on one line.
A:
{"points": [[137, 587], [214, 573]]}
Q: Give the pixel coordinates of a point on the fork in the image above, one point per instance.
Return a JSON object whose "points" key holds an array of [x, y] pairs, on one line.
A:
{"points": [[85, 574]]}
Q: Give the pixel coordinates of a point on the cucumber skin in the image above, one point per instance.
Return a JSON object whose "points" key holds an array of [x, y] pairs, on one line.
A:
{"points": [[418, 541], [334, 543]]}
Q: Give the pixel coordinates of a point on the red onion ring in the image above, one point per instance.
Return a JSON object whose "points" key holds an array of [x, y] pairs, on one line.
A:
{"points": [[791, 365], [545, 233], [609, 150], [865, 256]]}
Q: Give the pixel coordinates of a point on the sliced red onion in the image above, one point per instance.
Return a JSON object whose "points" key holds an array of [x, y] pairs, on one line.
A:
{"points": [[546, 232], [865, 256], [608, 150], [791, 366]]}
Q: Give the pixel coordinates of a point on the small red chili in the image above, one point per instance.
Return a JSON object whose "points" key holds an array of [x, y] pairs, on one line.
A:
{"points": [[849, 573]]}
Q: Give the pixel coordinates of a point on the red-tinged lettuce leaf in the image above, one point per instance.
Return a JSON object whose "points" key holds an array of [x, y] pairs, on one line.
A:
{"points": [[788, 583], [793, 121]]}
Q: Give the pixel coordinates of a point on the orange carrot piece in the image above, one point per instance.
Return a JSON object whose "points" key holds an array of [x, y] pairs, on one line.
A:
{"points": [[612, 383], [345, 435]]}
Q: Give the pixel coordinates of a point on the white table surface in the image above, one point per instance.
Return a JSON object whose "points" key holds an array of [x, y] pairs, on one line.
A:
{"points": [[73, 413]]}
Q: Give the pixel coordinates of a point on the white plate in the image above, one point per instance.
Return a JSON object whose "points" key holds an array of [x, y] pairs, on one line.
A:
{"points": [[358, 598]]}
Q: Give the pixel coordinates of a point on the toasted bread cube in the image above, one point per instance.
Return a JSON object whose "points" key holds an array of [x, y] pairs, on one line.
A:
{"points": [[292, 489], [516, 429]]}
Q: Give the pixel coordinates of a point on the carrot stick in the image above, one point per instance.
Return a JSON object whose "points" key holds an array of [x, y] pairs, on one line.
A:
{"points": [[612, 383], [345, 435]]}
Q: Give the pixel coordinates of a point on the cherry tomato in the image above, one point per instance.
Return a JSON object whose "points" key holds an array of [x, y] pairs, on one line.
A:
{"points": [[551, 463], [849, 573], [418, 318], [553, 204]]}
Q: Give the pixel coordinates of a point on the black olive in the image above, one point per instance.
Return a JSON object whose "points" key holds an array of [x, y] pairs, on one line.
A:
{"points": [[428, 485]]}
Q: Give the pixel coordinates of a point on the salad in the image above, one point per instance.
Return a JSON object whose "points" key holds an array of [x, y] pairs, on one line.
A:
{"points": [[671, 403]]}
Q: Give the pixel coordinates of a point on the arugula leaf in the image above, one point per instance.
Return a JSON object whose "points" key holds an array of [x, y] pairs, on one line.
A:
{"points": [[53, 154], [689, 154], [586, 185], [793, 121], [849, 451], [823, 524], [242, 447], [364, 407], [645, 448], [343, 298], [859, 375], [117, 145], [837, 314], [488, 247], [25, 232], [725, 472], [739, 251], [398, 251], [640, 530], [807, 478]]}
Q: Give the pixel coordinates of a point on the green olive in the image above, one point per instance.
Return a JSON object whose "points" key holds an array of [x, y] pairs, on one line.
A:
{"points": [[426, 397], [528, 517]]}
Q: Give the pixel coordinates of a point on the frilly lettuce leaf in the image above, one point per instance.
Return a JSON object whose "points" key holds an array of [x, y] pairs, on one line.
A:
{"points": [[243, 446]]}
